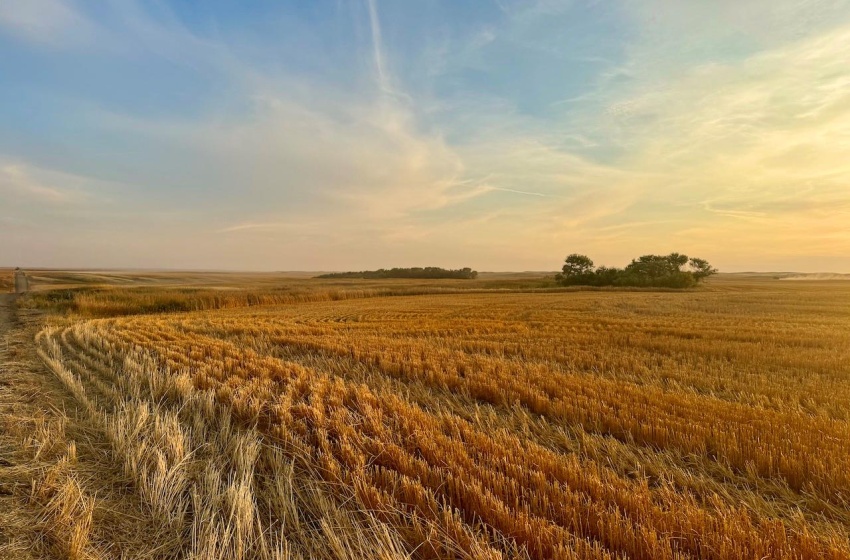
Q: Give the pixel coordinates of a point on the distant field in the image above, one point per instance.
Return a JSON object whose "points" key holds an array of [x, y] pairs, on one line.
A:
{"points": [[817, 276], [712, 423], [108, 293], [48, 279]]}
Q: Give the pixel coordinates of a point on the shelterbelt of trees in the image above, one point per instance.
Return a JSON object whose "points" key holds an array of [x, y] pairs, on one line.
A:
{"points": [[660, 271], [434, 272]]}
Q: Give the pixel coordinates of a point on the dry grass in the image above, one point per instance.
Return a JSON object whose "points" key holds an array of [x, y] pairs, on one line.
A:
{"points": [[110, 302], [67, 510], [7, 280], [212, 490], [706, 424], [44, 510]]}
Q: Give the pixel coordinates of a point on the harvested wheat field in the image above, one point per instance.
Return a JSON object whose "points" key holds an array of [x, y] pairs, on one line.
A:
{"points": [[589, 424]]}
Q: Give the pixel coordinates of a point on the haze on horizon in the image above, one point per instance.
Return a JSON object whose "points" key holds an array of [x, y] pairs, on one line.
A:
{"points": [[355, 134]]}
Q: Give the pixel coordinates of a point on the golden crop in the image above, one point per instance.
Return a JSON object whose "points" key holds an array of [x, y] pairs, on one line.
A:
{"points": [[647, 425]]}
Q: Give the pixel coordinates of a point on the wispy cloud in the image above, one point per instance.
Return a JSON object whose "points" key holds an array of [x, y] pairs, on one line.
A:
{"points": [[47, 22], [378, 47], [289, 225], [670, 133], [18, 181], [515, 191]]}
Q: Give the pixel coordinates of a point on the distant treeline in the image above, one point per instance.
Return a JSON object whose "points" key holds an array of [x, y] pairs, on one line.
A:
{"points": [[656, 271], [431, 272]]}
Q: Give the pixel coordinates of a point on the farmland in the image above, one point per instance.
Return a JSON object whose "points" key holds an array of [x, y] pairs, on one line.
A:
{"points": [[447, 423], [7, 280]]}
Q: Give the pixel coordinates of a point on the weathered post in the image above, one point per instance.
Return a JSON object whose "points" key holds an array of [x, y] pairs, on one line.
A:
{"points": [[21, 282]]}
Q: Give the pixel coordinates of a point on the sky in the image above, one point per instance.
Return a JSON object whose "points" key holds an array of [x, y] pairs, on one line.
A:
{"points": [[358, 134]]}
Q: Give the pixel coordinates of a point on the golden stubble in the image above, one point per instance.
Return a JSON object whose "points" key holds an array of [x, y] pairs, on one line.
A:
{"points": [[707, 424]]}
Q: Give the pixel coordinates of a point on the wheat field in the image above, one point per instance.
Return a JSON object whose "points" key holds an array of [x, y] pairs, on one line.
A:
{"points": [[588, 424]]}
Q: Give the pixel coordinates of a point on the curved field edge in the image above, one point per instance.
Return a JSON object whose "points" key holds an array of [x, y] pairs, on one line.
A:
{"points": [[455, 508]]}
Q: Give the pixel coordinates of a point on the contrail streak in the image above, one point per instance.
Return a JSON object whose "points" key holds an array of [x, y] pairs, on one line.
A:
{"points": [[516, 191], [377, 46]]}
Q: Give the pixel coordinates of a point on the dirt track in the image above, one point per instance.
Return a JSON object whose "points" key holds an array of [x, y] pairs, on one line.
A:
{"points": [[39, 423], [21, 404], [32, 427]]}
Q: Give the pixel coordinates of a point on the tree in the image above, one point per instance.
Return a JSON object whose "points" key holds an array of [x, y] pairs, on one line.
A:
{"points": [[607, 276], [661, 271], [676, 261], [657, 266], [577, 271], [701, 269], [577, 265]]}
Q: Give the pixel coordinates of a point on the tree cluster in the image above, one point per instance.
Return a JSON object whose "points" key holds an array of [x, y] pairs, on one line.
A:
{"points": [[428, 272], [660, 271]]}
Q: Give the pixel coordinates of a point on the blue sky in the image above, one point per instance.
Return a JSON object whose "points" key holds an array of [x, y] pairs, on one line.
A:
{"points": [[353, 134]]}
